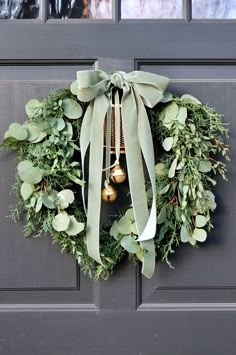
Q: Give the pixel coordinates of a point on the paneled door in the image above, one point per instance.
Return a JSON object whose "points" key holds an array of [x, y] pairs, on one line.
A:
{"points": [[47, 306]]}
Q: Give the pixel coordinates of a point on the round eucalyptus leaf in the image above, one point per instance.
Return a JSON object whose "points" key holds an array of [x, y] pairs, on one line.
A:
{"points": [[31, 106], [168, 143], [68, 131], [130, 214], [199, 234], [60, 124], [114, 232], [74, 87], [134, 229], [18, 131], [67, 195], [201, 221], [41, 136], [48, 201], [182, 115], [72, 108], [124, 225], [61, 222], [74, 227], [171, 111], [24, 166], [192, 98], [204, 166], [167, 96], [26, 190], [33, 133], [129, 244]]}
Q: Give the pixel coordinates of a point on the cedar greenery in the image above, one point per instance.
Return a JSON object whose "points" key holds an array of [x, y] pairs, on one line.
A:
{"points": [[48, 182]]}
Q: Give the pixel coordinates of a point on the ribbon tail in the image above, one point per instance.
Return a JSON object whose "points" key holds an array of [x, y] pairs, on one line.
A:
{"points": [[101, 104], [136, 177], [146, 143], [85, 137]]}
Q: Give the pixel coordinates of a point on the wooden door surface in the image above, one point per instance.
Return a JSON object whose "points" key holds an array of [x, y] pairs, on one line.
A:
{"points": [[47, 306]]}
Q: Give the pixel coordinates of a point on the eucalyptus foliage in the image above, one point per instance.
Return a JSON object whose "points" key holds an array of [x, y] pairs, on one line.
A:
{"points": [[48, 180]]}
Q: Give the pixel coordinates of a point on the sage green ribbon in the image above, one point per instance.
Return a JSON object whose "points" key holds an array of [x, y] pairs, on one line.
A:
{"points": [[139, 89]]}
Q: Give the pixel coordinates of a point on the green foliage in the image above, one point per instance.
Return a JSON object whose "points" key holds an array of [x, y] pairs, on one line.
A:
{"points": [[48, 180]]}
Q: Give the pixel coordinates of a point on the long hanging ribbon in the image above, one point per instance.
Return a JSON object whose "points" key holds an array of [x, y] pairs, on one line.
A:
{"points": [[140, 89]]}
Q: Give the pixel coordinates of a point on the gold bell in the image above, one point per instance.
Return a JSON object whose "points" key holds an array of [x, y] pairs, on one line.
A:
{"points": [[109, 194], [117, 175]]}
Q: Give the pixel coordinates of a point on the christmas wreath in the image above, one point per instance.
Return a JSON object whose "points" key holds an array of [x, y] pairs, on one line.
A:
{"points": [[172, 206]]}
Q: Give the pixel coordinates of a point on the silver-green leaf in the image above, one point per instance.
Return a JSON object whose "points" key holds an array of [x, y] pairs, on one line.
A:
{"points": [[61, 222], [72, 108]]}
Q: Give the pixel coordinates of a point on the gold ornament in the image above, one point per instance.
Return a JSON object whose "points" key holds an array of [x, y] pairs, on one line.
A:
{"points": [[109, 194], [118, 175]]}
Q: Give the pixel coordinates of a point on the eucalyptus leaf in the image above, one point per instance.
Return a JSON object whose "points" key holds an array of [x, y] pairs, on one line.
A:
{"points": [[124, 225], [28, 173], [72, 108], [210, 200], [41, 136], [168, 143], [192, 98], [182, 115], [76, 179], [134, 228], [39, 205], [204, 166], [161, 216], [60, 124], [33, 133], [164, 189], [201, 221], [129, 244], [74, 87], [26, 190], [171, 111], [65, 198], [61, 222], [184, 234], [48, 201], [31, 106], [167, 96], [114, 232], [74, 227], [68, 131], [199, 234], [171, 172], [130, 214], [17, 131]]}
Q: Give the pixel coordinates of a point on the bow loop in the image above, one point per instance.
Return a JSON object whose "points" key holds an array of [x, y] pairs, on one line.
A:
{"points": [[139, 89], [118, 79]]}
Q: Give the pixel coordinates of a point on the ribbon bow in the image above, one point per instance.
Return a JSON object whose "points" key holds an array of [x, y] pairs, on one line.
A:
{"points": [[139, 89]]}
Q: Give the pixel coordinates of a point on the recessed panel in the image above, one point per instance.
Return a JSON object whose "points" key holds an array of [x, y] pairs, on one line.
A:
{"points": [[212, 265], [81, 9], [151, 9], [34, 262]]}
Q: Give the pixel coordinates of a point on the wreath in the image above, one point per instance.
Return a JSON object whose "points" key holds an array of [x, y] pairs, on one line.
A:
{"points": [[49, 182]]}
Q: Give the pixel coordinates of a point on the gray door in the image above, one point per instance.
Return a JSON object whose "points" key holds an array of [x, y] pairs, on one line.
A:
{"points": [[47, 306]]}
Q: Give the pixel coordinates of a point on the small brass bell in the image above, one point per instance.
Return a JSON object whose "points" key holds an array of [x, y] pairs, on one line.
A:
{"points": [[109, 194], [117, 175]]}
